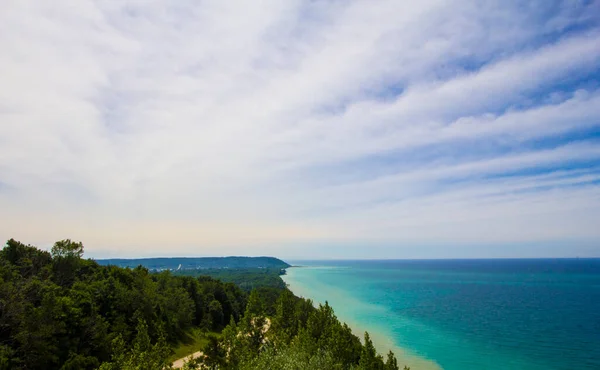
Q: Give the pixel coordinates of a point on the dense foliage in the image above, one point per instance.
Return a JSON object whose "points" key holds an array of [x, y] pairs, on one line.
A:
{"points": [[290, 333], [58, 310], [246, 278]]}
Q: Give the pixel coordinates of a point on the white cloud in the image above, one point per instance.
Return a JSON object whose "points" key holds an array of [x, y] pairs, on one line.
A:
{"points": [[215, 125]]}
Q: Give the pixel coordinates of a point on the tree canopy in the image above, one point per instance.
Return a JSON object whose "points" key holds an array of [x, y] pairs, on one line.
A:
{"points": [[61, 311]]}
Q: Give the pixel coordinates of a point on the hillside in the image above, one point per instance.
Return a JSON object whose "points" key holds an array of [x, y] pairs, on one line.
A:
{"points": [[194, 263], [61, 311]]}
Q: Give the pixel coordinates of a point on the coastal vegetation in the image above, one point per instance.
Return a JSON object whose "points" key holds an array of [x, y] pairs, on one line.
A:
{"points": [[61, 311], [197, 263], [246, 278], [246, 272]]}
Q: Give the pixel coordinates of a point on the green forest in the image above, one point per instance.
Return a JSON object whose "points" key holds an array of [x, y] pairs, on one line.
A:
{"points": [[61, 311], [246, 278], [197, 263]]}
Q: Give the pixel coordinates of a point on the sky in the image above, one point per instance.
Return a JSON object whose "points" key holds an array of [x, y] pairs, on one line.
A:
{"points": [[302, 129]]}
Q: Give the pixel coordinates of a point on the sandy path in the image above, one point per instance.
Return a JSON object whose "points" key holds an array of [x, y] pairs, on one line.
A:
{"points": [[178, 364]]}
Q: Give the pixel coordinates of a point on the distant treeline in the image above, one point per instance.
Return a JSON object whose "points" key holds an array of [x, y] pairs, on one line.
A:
{"points": [[246, 278], [246, 272], [60, 311], [197, 263]]}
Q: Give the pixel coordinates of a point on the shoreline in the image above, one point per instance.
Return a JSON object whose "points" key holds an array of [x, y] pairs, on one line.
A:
{"points": [[382, 342]]}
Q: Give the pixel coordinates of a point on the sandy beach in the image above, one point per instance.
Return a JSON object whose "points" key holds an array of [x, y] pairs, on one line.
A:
{"points": [[382, 342]]}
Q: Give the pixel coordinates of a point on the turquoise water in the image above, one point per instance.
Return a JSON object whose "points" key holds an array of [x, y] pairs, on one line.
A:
{"points": [[469, 314]]}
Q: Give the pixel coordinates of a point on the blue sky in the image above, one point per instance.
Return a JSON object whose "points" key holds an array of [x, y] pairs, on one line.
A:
{"points": [[332, 129]]}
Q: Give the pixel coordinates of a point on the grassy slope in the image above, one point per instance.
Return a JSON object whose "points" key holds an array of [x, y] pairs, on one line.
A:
{"points": [[194, 341]]}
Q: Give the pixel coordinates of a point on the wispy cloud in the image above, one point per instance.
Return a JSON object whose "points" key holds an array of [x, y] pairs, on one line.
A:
{"points": [[153, 127]]}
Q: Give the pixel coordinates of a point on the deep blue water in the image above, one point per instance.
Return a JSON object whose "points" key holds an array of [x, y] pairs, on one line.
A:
{"points": [[470, 314]]}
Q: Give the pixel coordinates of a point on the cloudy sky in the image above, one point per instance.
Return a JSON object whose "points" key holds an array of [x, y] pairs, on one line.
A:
{"points": [[302, 129]]}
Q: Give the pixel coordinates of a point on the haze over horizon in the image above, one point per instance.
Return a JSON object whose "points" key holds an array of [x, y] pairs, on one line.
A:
{"points": [[302, 130]]}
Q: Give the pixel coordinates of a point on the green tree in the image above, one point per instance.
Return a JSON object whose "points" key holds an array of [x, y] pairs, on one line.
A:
{"points": [[215, 310], [369, 359], [284, 325], [254, 308], [143, 355], [214, 353], [66, 258], [67, 249], [391, 363], [231, 340]]}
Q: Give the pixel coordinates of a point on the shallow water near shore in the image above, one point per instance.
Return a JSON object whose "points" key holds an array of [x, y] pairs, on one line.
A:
{"points": [[350, 310], [469, 314]]}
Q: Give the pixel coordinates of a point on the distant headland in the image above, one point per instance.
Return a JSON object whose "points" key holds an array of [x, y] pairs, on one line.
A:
{"points": [[195, 263]]}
